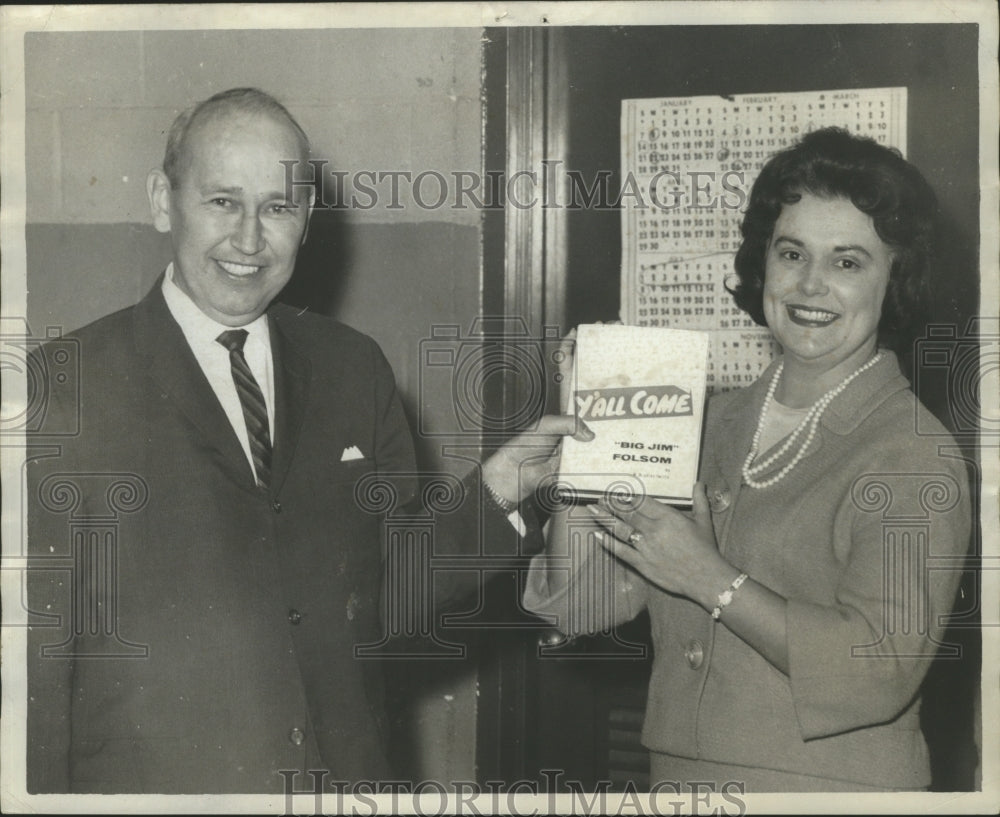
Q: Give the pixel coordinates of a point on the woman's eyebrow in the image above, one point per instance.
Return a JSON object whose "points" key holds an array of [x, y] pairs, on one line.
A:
{"points": [[852, 248]]}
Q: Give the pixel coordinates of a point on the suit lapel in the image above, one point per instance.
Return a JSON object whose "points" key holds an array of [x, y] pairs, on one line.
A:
{"points": [[174, 369], [291, 392]]}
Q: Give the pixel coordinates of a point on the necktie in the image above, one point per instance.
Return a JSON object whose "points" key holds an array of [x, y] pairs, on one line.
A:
{"points": [[252, 401]]}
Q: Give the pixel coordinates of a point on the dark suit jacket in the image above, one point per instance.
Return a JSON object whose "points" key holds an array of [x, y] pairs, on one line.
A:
{"points": [[213, 624]]}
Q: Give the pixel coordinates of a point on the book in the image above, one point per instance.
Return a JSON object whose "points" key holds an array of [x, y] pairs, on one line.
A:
{"points": [[641, 390]]}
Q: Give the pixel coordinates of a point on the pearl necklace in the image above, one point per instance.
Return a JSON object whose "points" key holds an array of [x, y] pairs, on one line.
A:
{"points": [[811, 420]]}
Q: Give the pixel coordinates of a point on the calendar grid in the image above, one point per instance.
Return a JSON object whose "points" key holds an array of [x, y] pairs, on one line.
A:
{"points": [[688, 164]]}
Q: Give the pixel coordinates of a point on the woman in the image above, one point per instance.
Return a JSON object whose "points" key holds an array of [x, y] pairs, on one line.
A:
{"points": [[794, 614]]}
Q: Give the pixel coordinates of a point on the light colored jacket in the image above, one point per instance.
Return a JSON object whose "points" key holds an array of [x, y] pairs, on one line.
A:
{"points": [[866, 539]]}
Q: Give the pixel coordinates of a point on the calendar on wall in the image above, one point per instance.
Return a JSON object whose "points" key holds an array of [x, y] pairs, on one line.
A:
{"points": [[688, 164]]}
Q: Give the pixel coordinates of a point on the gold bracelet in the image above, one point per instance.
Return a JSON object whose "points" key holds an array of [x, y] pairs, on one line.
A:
{"points": [[727, 595]]}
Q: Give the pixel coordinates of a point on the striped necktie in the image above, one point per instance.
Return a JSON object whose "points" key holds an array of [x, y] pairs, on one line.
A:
{"points": [[252, 401]]}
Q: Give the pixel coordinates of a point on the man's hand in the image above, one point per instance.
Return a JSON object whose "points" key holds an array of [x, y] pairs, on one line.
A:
{"points": [[515, 471]]}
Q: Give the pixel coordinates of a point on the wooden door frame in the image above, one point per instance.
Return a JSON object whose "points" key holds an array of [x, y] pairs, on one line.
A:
{"points": [[524, 273]]}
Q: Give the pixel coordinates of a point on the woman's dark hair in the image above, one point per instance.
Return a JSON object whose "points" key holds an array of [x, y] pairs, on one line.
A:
{"points": [[833, 163]]}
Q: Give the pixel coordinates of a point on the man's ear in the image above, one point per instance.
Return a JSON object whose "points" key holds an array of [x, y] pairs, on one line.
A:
{"points": [[158, 191]]}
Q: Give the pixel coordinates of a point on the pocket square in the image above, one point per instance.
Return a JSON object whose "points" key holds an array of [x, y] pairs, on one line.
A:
{"points": [[351, 453]]}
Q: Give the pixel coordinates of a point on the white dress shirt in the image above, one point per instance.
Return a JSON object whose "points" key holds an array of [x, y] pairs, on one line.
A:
{"points": [[201, 332]]}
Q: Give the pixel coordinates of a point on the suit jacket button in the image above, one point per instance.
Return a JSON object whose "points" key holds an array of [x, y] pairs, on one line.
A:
{"points": [[275, 506], [297, 736], [294, 616], [694, 653]]}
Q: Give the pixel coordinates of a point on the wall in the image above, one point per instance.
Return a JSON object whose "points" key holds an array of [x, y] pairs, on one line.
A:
{"points": [[98, 108]]}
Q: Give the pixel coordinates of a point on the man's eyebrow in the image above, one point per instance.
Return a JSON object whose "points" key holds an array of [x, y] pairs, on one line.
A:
{"points": [[209, 189]]}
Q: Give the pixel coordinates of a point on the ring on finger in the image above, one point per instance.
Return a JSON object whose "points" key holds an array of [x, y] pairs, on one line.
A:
{"points": [[635, 538]]}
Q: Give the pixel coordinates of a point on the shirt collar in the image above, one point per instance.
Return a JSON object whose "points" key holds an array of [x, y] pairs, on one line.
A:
{"points": [[196, 325]]}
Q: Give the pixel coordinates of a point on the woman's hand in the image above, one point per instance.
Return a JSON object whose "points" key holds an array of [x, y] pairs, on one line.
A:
{"points": [[674, 550], [679, 553]]}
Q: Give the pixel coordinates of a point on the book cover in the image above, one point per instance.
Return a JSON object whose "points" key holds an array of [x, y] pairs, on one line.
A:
{"points": [[641, 390]]}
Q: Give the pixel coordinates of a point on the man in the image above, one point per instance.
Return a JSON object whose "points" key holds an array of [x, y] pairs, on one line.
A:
{"points": [[207, 641]]}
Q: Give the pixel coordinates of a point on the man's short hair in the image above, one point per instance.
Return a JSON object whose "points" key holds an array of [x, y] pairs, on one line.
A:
{"points": [[241, 100], [833, 163]]}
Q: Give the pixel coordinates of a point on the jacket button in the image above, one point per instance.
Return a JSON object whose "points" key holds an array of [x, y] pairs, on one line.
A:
{"points": [[294, 616], [694, 653], [719, 499], [297, 736], [275, 506]]}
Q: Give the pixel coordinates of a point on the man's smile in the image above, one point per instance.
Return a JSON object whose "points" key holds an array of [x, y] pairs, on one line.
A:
{"points": [[239, 270]]}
